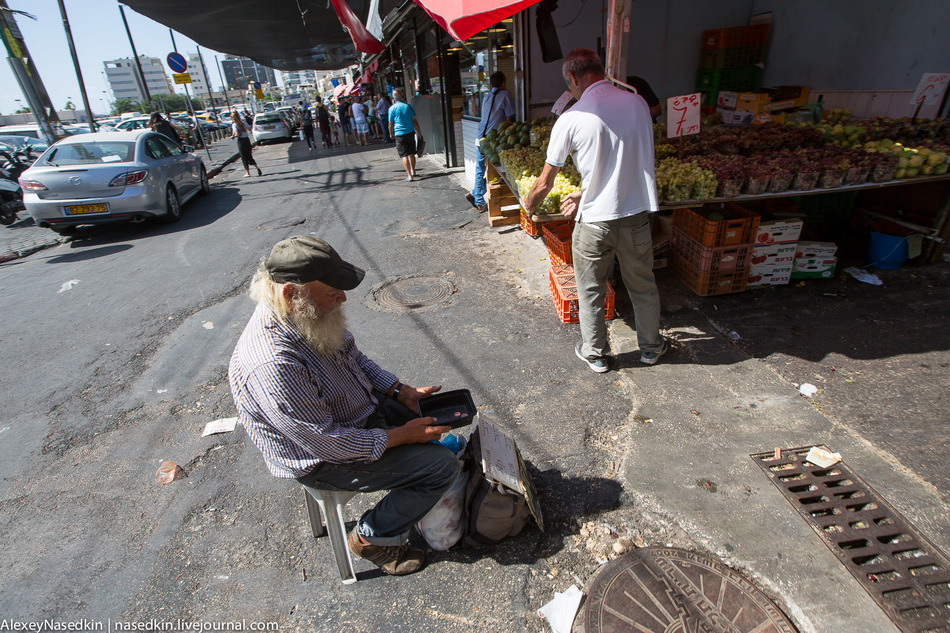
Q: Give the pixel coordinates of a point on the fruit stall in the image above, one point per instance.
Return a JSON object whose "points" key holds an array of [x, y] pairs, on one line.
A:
{"points": [[762, 204]]}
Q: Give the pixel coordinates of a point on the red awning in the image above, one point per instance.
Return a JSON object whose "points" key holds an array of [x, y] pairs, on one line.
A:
{"points": [[363, 40], [352, 89], [464, 18], [338, 90]]}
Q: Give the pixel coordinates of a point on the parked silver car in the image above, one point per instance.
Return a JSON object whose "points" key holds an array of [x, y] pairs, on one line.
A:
{"points": [[269, 126], [111, 177]]}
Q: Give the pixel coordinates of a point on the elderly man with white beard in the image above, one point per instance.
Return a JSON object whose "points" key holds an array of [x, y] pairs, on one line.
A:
{"points": [[323, 413]]}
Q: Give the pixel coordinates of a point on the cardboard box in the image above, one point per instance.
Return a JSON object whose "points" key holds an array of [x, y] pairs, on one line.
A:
{"points": [[727, 99], [783, 230], [770, 275], [816, 250], [780, 254], [753, 102], [814, 265], [788, 98]]}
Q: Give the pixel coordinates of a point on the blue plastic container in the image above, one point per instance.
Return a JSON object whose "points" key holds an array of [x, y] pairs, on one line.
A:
{"points": [[887, 251]]}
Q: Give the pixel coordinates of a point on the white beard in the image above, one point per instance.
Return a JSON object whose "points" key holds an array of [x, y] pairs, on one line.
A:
{"points": [[323, 331]]}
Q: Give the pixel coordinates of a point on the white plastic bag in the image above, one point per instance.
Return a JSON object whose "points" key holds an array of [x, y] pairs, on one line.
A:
{"points": [[442, 527], [300, 134]]}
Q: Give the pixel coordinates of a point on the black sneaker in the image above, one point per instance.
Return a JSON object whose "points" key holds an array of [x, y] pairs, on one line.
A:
{"points": [[650, 358], [395, 560], [598, 364]]}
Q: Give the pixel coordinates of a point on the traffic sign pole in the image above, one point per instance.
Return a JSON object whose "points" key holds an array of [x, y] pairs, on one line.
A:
{"points": [[179, 58]]}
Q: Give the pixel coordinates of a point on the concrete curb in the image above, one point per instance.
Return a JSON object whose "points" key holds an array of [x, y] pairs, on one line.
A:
{"points": [[214, 171]]}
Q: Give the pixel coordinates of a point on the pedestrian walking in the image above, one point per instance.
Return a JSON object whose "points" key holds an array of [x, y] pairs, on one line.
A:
{"points": [[372, 118], [346, 120], [609, 135], [497, 106], [306, 122], [158, 124], [241, 132], [360, 125], [323, 118], [335, 129], [248, 118], [324, 414], [382, 111], [403, 126]]}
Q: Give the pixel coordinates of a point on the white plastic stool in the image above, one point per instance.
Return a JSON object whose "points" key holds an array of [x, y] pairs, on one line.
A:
{"points": [[331, 503]]}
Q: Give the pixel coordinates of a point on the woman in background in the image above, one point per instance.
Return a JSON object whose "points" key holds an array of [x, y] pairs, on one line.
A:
{"points": [[240, 131]]}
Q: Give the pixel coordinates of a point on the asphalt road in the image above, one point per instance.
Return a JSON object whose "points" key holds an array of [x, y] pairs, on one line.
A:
{"points": [[115, 357], [119, 357]]}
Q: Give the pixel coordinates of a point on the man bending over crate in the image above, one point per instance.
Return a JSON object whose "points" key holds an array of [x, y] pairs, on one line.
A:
{"points": [[609, 135], [323, 413]]}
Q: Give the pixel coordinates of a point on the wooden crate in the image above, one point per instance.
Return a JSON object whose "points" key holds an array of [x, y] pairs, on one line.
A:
{"points": [[503, 206]]}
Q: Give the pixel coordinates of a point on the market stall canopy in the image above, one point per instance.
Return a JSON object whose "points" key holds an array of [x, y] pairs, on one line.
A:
{"points": [[464, 18], [363, 40], [338, 90], [299, 35]]}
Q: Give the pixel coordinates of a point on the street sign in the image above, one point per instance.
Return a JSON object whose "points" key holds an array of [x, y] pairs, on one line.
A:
{"points": [[177, 63], [257, 85], [182, 78]]}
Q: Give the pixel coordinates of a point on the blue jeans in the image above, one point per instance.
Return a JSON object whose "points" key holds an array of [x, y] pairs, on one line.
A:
{"points": [[417, 475], [480, 188], [384, 121], [593, 247]]}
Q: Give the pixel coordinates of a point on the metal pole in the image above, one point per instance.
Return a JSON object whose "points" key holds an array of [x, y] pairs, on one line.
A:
{"points": [[224, 86], [190, 108], [207, 81], [72, 51], [142, 83], [618, 31]]}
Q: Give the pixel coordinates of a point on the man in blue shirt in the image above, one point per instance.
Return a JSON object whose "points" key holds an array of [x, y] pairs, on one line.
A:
{"points": [[382, 111], [496, 107], [323, 413], [403, 127]]}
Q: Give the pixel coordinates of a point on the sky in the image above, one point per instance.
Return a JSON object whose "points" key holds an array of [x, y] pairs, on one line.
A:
{"points": [[99, 35]]}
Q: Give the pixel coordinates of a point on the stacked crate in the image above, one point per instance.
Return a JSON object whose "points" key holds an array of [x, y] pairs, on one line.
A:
{"points": [[731, 60], [712, 256], [563, 287]]}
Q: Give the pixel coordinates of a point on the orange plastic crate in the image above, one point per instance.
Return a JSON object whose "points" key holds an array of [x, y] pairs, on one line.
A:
{"points": [[557, 237], [740, 228], [564, 293], [530, 227], [710, 259], [706, 284]]}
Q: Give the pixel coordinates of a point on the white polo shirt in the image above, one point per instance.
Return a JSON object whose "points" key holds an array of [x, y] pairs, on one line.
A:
{"points": [[609, 134]]}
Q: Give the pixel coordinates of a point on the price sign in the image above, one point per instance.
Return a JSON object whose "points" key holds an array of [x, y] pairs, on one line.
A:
{"points": [[498, 455], [561, 103], [682, 115], [930, 89], [182, 78]]}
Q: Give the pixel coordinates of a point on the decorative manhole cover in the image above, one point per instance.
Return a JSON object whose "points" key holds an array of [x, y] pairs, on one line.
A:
{"points": [[281, 223], [414, 294], [668, 590]]}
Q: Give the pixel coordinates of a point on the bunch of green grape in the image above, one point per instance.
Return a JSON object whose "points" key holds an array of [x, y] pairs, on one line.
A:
{"points": [[552, 203], [677, 181], [518, 162], [570, 172]]}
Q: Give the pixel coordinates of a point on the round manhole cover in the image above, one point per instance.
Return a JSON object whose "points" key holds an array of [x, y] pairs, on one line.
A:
{"points": [[668, 590], [414, 294], [280, 223]]}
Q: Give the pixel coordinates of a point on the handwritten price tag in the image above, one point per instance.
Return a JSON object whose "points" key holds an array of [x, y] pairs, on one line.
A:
{"points": [[930, 89], [682, 115]]}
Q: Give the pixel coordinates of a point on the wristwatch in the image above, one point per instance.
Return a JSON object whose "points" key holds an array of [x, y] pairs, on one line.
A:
{"points": [[397, 389]]}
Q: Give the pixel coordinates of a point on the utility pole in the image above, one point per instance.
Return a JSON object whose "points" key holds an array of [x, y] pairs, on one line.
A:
{"points": [[72, 51], [143, 85], [27, 76], [197, 123], [207, 81], [224, 86]]}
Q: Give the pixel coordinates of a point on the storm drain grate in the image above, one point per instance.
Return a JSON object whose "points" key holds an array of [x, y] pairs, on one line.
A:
{"points": [[899, 568]]}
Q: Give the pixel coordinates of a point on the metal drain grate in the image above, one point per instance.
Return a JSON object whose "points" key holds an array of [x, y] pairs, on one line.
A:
{"points": [[899, 568]]}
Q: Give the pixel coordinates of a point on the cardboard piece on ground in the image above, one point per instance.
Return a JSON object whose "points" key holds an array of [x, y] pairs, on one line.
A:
{"points": [[224, 425], [822, 458], [502, 463]]}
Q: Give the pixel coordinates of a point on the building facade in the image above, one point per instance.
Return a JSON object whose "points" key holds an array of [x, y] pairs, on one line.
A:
{"points": [[240, 71], [199, 87], [126, 83]]}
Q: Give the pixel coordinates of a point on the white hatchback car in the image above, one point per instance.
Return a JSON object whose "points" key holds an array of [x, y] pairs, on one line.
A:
{"points": [[111, 177], [270, 126]]}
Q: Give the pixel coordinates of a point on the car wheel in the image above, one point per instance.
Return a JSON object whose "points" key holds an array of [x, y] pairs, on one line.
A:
{"points": [[6, 219], [205, 185], [172, 206]]}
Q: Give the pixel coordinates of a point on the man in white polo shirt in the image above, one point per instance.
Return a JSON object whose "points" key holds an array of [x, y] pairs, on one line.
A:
{"points": [[609, 134]]}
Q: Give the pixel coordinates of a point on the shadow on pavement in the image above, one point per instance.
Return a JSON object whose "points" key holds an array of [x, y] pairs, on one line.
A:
{"points": [[91, 253]]}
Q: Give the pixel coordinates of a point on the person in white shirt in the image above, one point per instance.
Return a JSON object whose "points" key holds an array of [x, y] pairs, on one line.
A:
{"points": [[497, 106], [609, 135], [360, 125]]}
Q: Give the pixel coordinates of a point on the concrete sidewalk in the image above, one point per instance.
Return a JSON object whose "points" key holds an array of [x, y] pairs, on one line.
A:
{"points": [[23, 237]]}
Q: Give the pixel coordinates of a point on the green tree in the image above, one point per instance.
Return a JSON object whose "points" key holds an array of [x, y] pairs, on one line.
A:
{"points": [[23, 110], [125, 105], [69, 106], [175, 103]]}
